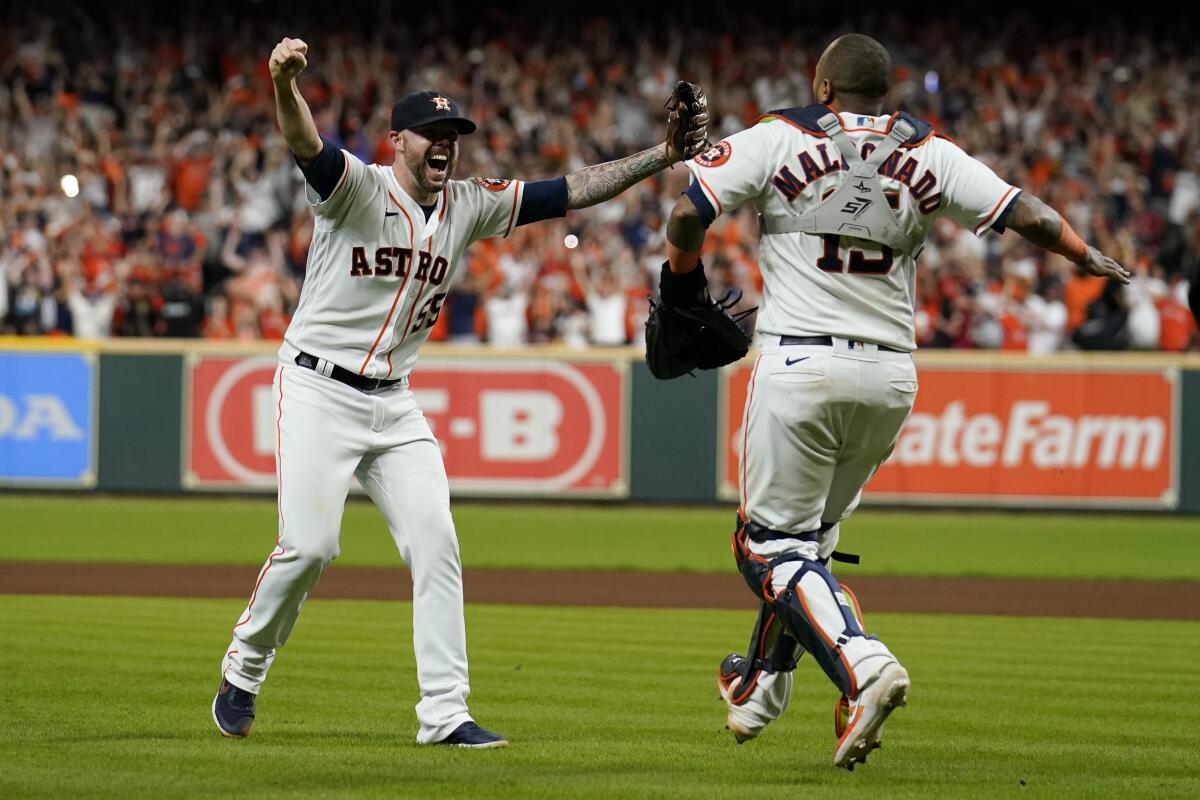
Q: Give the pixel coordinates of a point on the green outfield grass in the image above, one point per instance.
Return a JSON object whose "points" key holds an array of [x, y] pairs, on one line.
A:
{"points": [[109, 697], [224, 531]]}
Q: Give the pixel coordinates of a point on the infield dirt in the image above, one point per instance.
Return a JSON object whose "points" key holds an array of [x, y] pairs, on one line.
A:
{"points": [[1112, 599]]}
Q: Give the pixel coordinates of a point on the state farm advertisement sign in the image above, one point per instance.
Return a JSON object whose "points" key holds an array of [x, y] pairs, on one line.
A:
{"points": [[1015, 436], [506, 427]]}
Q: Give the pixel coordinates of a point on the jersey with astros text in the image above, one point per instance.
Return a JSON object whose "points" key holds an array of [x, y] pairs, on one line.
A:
{"points": [[378, 272], [838, 285]]}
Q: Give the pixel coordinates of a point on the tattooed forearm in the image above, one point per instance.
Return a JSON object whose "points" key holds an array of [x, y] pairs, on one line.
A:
{"points": [[1035, 220], [592, 185]]}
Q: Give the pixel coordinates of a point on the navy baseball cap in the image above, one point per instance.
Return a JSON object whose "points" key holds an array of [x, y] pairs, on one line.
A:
{"points": [[421, 108]]}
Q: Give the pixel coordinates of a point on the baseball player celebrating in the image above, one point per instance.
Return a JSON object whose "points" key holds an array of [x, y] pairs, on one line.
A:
{"points": [[387, 243], [846, 198]]}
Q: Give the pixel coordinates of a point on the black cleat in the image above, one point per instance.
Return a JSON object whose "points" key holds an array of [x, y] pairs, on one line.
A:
{"points": [[233, 710], [471, 735]]}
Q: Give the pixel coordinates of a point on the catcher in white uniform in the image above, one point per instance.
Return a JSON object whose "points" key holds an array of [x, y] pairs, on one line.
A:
{"points": [[386, 246], [846, 198]]}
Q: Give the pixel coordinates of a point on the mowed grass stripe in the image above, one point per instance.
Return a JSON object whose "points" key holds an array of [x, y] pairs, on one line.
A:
{"points": [[109, 697], [215, 530]]}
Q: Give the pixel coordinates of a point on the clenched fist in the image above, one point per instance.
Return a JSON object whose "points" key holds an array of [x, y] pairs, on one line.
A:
{"points": [[288, 59]]}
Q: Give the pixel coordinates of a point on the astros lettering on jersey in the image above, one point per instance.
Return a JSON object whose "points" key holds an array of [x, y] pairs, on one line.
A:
{"points": [[831, 285], [384, 238]]}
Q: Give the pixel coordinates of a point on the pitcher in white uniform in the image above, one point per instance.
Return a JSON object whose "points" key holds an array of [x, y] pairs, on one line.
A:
{"points": [[846, 197], [387, 244]]}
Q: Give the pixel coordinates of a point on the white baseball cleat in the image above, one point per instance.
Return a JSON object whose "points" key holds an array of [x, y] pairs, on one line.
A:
{"points": [[867, 713], [727, 675]]}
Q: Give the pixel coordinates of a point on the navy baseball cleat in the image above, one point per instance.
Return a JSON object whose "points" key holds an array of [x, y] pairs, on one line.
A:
{"points": [[471, 735], [233, 710]]}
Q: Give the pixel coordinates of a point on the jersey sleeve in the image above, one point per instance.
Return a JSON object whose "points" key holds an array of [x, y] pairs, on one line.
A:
{"points": [[732, 171], [973, 195], [494, 204], [356, 192], [543, 200]]}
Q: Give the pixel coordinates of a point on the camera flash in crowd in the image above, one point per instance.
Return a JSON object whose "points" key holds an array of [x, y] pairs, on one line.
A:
{"points": [[70, 185], [571, 241]]}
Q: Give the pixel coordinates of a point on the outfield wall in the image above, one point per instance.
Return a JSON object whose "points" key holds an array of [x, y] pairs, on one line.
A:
{"points": [[989, 429]]}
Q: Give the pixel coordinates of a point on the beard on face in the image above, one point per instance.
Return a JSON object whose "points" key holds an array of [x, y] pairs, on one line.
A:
{"points": [[427, 178]]}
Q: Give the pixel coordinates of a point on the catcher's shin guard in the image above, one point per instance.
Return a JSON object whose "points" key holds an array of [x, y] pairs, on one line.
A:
{"points": [[757, 687], [814, 610], [771, 649], [820, 616]]}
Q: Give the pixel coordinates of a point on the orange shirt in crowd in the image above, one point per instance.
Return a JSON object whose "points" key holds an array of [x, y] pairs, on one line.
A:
{"points": [[1078, 293], [1016, 337], [1176, 326], [272, 324], [190, 181], [97, 257], [217, 328]]}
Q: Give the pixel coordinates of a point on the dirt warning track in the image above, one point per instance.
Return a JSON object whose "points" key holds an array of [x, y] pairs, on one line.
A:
{"points": [[1113, 599]]}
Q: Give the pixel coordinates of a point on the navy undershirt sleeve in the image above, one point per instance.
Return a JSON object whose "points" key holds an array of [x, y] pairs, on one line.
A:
{"points": [[696, 195], [543, 200], [324, 171], [1001, 222]]}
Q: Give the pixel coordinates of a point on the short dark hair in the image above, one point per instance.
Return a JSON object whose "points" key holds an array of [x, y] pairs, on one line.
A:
{"points": [[858, 65]]}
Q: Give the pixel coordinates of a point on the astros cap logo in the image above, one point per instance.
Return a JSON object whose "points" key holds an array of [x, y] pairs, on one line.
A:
{"points": [[440, 103]]}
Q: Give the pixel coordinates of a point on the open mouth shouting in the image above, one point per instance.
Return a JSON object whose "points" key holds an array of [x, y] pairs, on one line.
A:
{"points": [[437, 165]]}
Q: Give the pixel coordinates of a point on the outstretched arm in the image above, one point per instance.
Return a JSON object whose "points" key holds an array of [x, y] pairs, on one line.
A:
{"points": [[687, 135], [288, 59], [1040, 224], [595, 184]]}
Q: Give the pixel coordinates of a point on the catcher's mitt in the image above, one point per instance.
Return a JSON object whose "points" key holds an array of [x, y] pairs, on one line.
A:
{"points": [[687, 122], [686, 330]]}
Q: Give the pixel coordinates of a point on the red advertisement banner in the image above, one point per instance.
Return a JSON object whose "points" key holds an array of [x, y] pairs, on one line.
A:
{"points": [[523, 427], [1046, 436]]}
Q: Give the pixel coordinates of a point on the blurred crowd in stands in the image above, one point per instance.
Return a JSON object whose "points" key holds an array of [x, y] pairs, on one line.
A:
{"points": [[145, 191]]}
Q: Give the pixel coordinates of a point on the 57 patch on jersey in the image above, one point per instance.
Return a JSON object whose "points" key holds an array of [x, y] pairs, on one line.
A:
{"points": [[493, 184]]}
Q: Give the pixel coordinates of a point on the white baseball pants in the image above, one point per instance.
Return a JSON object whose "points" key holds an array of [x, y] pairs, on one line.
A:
{"points": [[327, 432], [818, 422]]}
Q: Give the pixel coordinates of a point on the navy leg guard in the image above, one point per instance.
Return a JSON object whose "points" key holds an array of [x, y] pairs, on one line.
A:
{"points": [[822, 625], [772, 649]]}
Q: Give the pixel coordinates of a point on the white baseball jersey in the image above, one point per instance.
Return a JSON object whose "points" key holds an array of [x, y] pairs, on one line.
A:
{"points": [[378, 272], [842, 286]]}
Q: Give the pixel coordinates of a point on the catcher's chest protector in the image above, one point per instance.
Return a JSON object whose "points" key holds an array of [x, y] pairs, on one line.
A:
{"points": [[858, 207]]}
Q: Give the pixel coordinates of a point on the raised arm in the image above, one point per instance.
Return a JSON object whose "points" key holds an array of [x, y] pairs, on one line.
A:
{"points": [[288, 59], [1040, 224]]}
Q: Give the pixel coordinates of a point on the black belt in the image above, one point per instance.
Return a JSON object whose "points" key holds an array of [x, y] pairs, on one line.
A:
{"points": [[761, 533], [345, 376], [827, 341]]}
